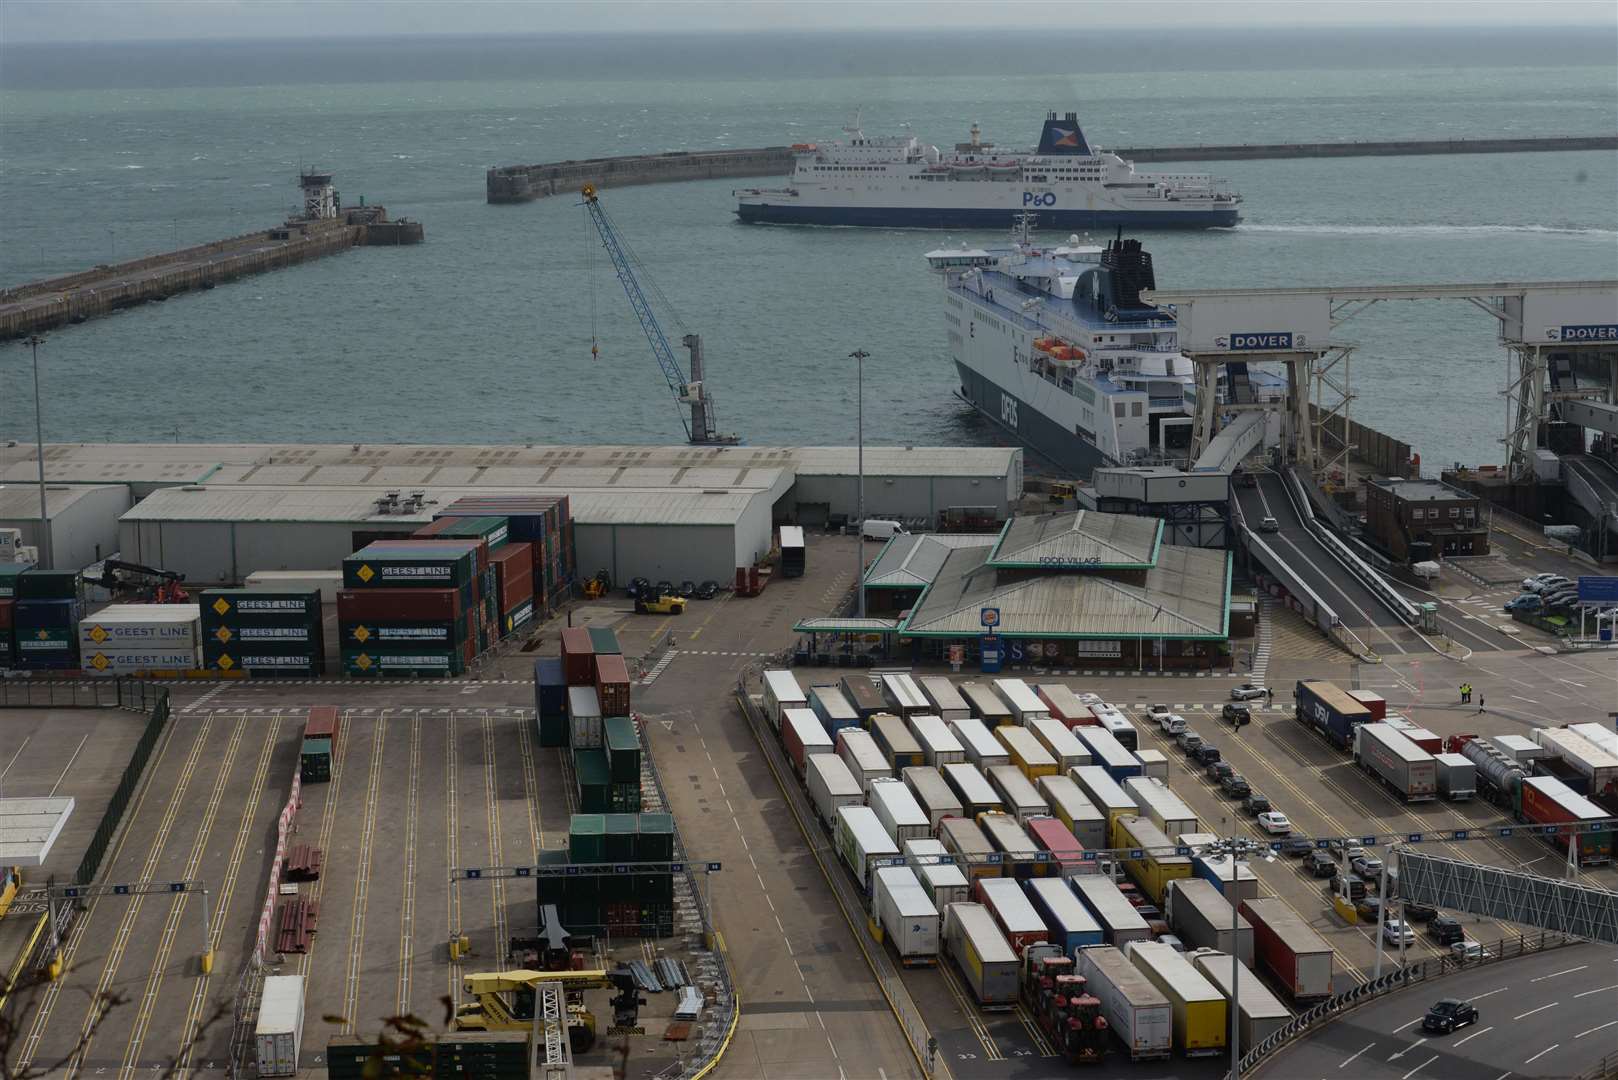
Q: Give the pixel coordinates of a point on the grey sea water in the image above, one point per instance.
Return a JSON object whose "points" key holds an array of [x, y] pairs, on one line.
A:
{"points": [[484, 332]]}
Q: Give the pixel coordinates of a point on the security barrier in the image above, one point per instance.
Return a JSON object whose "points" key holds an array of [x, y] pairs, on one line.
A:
{"points": [[139, 697]]}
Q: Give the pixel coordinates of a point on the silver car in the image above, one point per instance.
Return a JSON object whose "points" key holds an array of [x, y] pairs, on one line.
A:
{"points": [[1247, 692]]}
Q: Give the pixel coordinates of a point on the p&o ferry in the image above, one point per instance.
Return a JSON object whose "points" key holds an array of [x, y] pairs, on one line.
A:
{"points": [[1065, 183]]}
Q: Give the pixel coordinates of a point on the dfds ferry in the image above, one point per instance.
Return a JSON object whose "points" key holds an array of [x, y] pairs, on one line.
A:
{"points": [[1066, 183]]}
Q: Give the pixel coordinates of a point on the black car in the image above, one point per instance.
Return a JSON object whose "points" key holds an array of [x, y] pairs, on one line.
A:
{"points": [[1415, 912], [1256, 803], [1235, 785], [1446, 930], [708, 590], [1320, 864], [637, 586], [1236, 715], [688, 588], [1297, 846], [1369, 908], [1447, 1015], [1217, 770], [1354, 884], [1206, 754]]}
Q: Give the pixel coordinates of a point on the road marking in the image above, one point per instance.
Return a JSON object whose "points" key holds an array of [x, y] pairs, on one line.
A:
{"points": [[1406, 1050], [1475, 1034], [17, 755], [1491, 993], [407, 909], [1406, 1024], [1541, 1009], [1542, 1053], [1599, 989], [1593, 1030], [1357, 1053], [362, 880], [1418, 1068], [66, 767], [1554, 974]]}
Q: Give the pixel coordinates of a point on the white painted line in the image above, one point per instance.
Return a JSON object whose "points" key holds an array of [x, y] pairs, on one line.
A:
{"points": [[1357, 1053], [1475, 1034], [1503, 1075], [1599, 989], [1418, 1068], [1554, 974], [1542, 1053], [1541, 1009], [1593, 1030], [1491, 993], [1406, 1024], [1396, 1056]]}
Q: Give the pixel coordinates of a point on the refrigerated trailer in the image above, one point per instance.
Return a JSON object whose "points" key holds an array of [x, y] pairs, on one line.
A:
{"points": [[1018, 795], [860, 837], [831, 785], [934, 796], [1167, 810], [939, 746], [781, 691], [982, 748], [896, 807], [278, 1036], [1137, 1011], [946, 701], [1063, 745], [1020, 699], [977, 795]]}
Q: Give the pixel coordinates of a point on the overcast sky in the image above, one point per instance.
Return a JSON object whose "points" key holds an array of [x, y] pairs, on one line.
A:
{"points": [[120, 20]]}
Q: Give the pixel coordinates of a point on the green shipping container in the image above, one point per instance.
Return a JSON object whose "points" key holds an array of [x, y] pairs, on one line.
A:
{"points": [[617, 888], [587, 838], [654, 841], [315, 760], [10, 573], [425, 663], [402, 568], [621, 833], [604, 640], [494, 531], [590, 769], [48, 585], [623, 749], [552, 730]]}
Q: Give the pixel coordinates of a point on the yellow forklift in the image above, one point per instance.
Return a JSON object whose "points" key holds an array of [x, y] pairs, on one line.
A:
{"points": [[507, 1001]]}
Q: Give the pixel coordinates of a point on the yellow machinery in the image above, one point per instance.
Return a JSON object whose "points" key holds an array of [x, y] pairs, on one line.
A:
{"points": [[10, 882], [507, 1000], [597, 587], [661, 605]]}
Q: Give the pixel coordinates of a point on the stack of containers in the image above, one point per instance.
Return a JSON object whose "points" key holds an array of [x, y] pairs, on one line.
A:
{"points": [[550, 700], [494, 533], [411, 607], [263, 631], [605, 741], [621, 904], [514, 585], [544, 522], [9, 573], [138, 639], [45, 619]]}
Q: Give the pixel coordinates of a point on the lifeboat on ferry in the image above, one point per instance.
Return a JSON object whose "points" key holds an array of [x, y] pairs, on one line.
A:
{"points": [[968, 170], [800, 147], [1002, 170]]}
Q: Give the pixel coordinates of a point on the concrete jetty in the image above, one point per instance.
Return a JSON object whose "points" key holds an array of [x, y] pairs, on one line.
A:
{"points": [[523, 183], [54, 302]]}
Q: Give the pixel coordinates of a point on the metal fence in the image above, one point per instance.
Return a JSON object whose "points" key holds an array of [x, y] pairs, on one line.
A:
{"points": [[1605, 1069], [154, 701], [59, 694], [1435, 968]]}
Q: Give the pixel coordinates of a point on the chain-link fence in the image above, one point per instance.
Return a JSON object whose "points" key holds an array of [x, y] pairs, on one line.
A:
{"points": [[141, 697]]}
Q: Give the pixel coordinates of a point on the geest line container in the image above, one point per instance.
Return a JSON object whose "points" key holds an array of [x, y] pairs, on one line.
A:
{"points": [[864, 758], [983, 955], [1289, 949], [1138, 1013], [1200, 1010], [982, 748], [424, 605]]}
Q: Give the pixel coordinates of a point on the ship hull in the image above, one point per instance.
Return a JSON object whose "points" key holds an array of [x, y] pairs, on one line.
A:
{"points": [[982, 217], [1022, 421]]}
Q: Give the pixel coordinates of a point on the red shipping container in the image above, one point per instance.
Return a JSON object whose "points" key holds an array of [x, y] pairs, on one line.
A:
{"points": [[399, 605], [514, 567], [1425, 739], [6, 616], [322, 723], [612, 684], [578, 657], [1056, 838]]}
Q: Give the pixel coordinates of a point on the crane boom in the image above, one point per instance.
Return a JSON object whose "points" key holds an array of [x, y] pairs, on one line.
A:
{"points": [[699, 428]]}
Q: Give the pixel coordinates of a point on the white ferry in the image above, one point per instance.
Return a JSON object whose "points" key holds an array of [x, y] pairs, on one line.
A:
{"points": [[1066, 183]]}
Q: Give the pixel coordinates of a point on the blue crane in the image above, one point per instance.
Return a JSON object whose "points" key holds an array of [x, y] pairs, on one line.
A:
{"points": [[699, 428]]}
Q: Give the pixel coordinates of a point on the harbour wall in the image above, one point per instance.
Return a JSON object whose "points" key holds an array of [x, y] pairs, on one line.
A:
{"points": [[73, 298], [522, 183]]}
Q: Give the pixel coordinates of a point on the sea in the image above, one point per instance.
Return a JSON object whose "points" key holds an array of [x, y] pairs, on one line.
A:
{"points": [[484, 332]]}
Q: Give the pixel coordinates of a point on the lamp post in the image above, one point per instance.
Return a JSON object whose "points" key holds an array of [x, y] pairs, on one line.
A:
{"points": [[1234, 848], [34, 342], [859, 357]]}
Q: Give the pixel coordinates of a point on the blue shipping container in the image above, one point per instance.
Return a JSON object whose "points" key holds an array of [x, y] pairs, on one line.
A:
{"points": [[48, 614], [550, 686]]}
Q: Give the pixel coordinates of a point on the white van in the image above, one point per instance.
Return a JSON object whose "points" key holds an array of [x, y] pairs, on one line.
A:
{"points": [[878, 529]]}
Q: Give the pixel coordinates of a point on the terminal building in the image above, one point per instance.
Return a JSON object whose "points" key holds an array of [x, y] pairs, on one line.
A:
{"points": [[1420, 520]]}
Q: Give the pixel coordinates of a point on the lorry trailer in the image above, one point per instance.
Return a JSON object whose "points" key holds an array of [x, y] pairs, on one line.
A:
{"points": [[1260, 1013], [897, 744], [1330, 710], [1020, 699], [833, 708], [1401, 765], [982, 748], [1544, 800], [1203, 917], [1108, 753], [964, 839], [831, 785], [934, 796], [1104, 793], [1018, 795], [1200, 1011], [977, 795], [946, 701], [1068, 802], [1021, 857], [1027, 753], [1054, 837], [986, 704], [864, 758], [1153, 868], [907, 915], [781, 691], [1012, 911], [865, 697], [1070, 923], [1138, 1013], [896, 807], [804, 737], [1064, 705], [1167, 810], [939, 746], [1061, 742], [1120, 922], [1290, 950], [982, 954], [902, 694], [1457, 776], [935, 868], [860, 838]]}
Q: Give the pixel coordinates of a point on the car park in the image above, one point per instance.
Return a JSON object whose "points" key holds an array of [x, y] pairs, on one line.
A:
{"points": [[1235, 785], [1247, 692], [1447, 1015], [1320, 864], [1446, 930], [1468, 951], [1256, 803], [1275, 823]]}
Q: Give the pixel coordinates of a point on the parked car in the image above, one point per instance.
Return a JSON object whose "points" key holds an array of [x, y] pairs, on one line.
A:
{"points": [[1269, 525], [1368, 867], [1446, 930], [1236, 715], [688, 588], [636, 586], [1275, 823], [1545, 583], [1368, 908], [1297, 846], [1343, 850], [1468, 951], [1532, 580], [1255, 803], [1419, 912], [1157, 712], [1320, 864], [1447, 1015], [1206, 754], [1527, 603], [1398, 932], [1235, 785], [708, 590], [664, 588], [1247, 692], [1172, 724], [1354, 884], [1189, 741], [1218, 770]]}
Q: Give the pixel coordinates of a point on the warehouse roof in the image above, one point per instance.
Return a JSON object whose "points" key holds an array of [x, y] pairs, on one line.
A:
{"points": [[1186, 595], [909, 560], [29, 828], [1087, 539], [20, 501], [659, 506]]}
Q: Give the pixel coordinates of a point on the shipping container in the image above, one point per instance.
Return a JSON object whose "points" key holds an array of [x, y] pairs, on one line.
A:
{"points": [[1202, 916], [419, 662], [1154, 868], [1070, 923], [862, 755], [1027, 753], [584, 717], [1020, 699], [982, 748], [37, 584], [898, 745], [1136, 1011], [896, 807], [1166, 810], [110, 662], [1065, 850], [612, 684], [621, 741], [604, 641], [131, 627], [402, 564], [1399, 763], [1107, 752], [902, 694], [1260, 1013], [1067, 801], [804, 737], [932, 793], [972, 788], [491, 530], [278, 1034], [1201, 1013], [399, 605], [550, 686], [907, 915], [1375, 704], [11, 574], [1020, 856], [1587, 758], [831, 785], [1330, 710], [935, 868], [1224, 872], [860, 838], [1062, 744], [1018, 796], [1105, 793], [1153, 763], [983, 955], [1012, 911], [833, 708], [1064, 705], [986, 704], [943, 699], [1290, 950], [781, 692], [962, 836], [863, 695], [938, 743], [328, 583], [1119, 920], [1457, 776], [578, 656]]}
